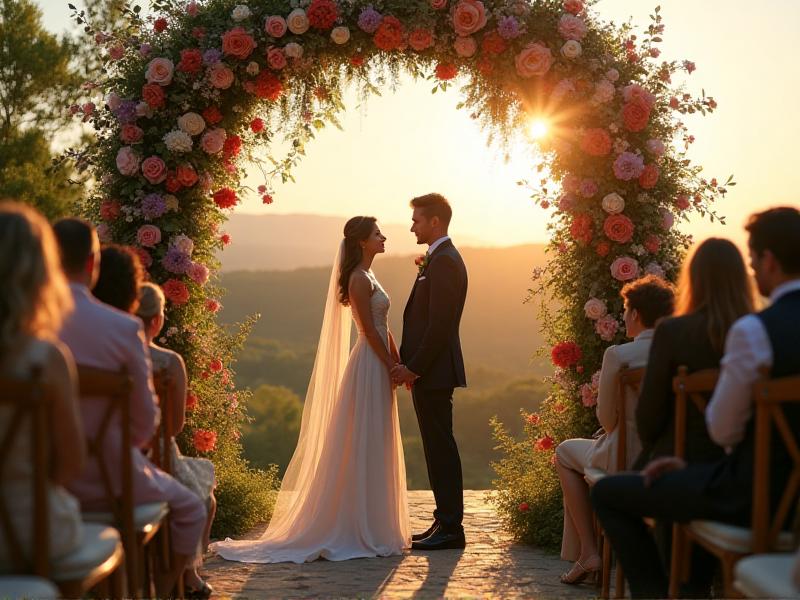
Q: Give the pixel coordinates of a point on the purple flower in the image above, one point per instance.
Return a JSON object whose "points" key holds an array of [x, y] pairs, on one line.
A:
{"points": [[508, 28], [212, 56], [369, 19], [176, 261], [126, 112], [153, 206], [589, 188], [145, 49], [628, 166]]}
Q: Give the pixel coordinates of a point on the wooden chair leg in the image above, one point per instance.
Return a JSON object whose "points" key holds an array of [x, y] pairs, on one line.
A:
{"points": [[676, 560], [605, 592], [118, 583], [728, 564], [619, 582]]}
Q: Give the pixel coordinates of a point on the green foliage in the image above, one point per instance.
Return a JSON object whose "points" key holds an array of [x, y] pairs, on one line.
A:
{"points": [[271, 435], [245, 497]]}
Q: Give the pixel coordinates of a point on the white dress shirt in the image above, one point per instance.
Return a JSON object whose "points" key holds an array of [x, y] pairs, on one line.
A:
{"points": [[747, 349], [436, 244]]}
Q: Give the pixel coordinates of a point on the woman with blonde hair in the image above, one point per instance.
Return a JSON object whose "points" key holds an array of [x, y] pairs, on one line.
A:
{"points": [[34, 298], [197, 474]]}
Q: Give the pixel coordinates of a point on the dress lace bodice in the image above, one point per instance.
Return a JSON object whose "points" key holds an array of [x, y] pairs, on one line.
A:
{"points": [[379, 304]]}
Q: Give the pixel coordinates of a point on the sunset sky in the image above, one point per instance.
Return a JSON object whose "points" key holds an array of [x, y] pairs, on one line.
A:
{"points": [[411, 142]]}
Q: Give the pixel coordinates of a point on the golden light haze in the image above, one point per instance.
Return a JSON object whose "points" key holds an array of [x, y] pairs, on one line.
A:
{"points": [[411, 142]]}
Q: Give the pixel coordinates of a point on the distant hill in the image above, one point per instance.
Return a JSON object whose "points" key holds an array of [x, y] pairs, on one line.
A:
{"points": [[498, 331], [286, 242]]}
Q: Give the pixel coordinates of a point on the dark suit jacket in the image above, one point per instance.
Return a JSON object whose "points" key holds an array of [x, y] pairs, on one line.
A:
{"points": [[430, 345], [677, 341]]}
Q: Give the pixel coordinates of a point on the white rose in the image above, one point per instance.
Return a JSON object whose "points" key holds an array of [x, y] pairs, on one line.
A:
{"points": [[571, 49], [178, 141], [595, 309], [253, 68], [613, 203], [191, 123], [183, 243], [293, 50], [340, 35], [143, 109], [297, 21], [240, 13]]}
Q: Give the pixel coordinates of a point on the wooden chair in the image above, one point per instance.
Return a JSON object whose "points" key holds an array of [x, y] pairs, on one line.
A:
{"points": [[99, 561], [137, 524], [731, 543], [628, 380]]}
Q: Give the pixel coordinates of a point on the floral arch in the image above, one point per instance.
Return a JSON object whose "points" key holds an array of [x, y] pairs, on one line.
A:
{"points": [[191, 92]]}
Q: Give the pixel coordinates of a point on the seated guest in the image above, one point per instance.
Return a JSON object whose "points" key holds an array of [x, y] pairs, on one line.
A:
{"points": [[121, 274], [103, 337], [195, 473], [669, 489], [647, 301], [34, 298], [713, 292]]}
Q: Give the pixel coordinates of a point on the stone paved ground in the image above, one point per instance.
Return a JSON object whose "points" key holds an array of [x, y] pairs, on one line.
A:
{"points": [[491, 566]]}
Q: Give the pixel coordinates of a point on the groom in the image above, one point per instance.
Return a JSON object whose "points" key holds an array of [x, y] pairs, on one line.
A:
{"points": [[433, 365]]}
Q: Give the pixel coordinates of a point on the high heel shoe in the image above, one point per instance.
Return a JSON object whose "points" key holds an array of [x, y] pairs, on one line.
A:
{"points": [[202, 592], [579, 572]]}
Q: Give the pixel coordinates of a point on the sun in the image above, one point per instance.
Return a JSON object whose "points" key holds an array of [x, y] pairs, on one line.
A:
{"points": [[538, 128]]}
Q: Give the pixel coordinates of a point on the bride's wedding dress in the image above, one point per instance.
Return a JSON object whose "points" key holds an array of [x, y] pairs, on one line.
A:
{"points": [[344, 494]]}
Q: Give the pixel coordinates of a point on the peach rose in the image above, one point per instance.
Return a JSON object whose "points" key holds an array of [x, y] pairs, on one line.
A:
{"points": [[624, 268], [571, 49], [420, 39], [131, 134], [613, 203], [534, 59], [340, 35], [649, 177], [573, 6], [275, 27], [465, 46], [127, 161], [148, 235], [238, 43], [191, 123], [293, 50], [469, 16], [297, 21], [154, 169], [571, 27], [595, 309], [160, 70], [606, 327], [618, 228], [186, 175], [220, 76], [438, 4], [213, 140], [276, 59]]}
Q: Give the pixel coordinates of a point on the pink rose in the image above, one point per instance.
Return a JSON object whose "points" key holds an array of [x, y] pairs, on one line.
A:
{"points": [[131, 134], [116, 52], [154, 169], [595, 309], [655, 147], [148, 235], [198, 272], [534, 59], [420, 39], [589, 188], [628, 166], [213, 140], [438, 4], [220, 76], [276, 59], [127, 161], [624, 268], [571, 27], [606, 327], [667, 219], [636, 93], [465, 46], [469, 16], [588, 395], [275, 27], [160, 70]]}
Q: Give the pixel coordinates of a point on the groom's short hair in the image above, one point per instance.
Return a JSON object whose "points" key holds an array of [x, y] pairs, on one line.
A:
{"points": [[434, 205]]}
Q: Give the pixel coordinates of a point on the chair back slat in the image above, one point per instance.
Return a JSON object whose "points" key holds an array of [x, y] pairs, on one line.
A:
{"points": [[694, 387], [28, 398], [628, 379], [162, 456], [772, 398]]}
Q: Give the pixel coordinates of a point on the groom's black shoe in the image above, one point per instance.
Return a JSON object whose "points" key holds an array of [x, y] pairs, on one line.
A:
{"points": [[442, 540], [421, 536]]}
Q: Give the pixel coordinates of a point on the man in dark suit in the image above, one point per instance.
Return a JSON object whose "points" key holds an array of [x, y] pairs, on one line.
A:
{"points": [[433, 365], [668, 489]]}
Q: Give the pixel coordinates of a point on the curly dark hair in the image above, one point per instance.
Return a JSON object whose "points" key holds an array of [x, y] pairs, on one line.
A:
{"points": [[652, 297], [121, 274], [356, 230]]}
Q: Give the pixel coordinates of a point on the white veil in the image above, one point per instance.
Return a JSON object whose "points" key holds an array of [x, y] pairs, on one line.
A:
{"points": [[333, 350]]}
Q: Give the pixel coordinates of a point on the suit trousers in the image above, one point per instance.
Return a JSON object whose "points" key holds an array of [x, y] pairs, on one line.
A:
{"points": [[434, 410], [622, 501]]}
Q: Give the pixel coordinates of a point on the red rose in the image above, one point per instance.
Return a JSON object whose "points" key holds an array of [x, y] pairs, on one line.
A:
{"points": [[153, 94], [212, 115], [204, 440], [446, 71], [215, 366], [618, 228], [357, 60], [176, 291], [389, 35], [581, 228], [237, 43], [266, 85], [172, 184], [160, 25], [109, 210], [544, 444], [322, 14], [636, 114], [225, 198], [198, 32], [652, 243], [266, 199], [523, 507], [212, 305], [257, 125], [533, 419], [649, 177], [186, 175], [191, 61], [682, 202], [130, 133], [602, 248], [596, 142], [232, 146], [225, 238], [191, 400], [566, 354], [493, 43], [144, 256]]}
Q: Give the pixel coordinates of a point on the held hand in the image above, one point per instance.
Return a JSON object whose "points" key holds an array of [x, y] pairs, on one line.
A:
{"points": [[658, 467], [401, 374]]}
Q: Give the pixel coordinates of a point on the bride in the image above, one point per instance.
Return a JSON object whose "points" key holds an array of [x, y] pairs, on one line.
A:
{"points": [[344, 492]]}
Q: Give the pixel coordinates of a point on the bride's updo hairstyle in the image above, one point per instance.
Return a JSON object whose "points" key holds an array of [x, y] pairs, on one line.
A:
{"points": [[356, 230]]}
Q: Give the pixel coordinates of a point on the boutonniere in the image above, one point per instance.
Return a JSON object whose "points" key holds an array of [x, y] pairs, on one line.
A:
{"points": [[422, 262]]}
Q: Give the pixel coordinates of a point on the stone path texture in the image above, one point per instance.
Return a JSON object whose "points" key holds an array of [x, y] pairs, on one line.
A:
{"points": [[492, 566]]}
